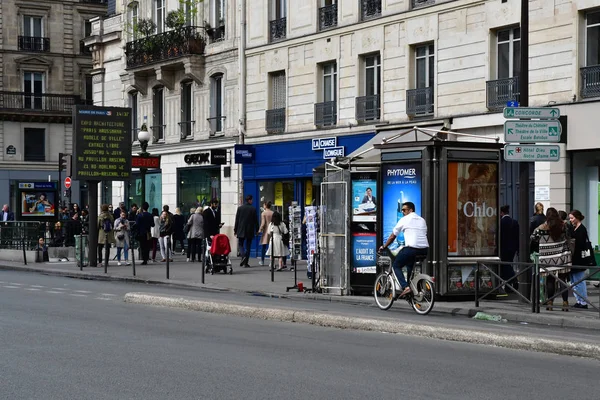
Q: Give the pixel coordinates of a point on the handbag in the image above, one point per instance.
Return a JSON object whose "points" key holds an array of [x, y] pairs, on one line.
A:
{"points": [[588, 258], [121, 236]]}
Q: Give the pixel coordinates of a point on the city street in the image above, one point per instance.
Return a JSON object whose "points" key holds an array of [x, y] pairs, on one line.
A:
{"points": [[67, 338]]}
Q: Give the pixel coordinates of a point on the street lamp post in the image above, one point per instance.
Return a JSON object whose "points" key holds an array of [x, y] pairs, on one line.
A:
{"points": [[144, 138]]}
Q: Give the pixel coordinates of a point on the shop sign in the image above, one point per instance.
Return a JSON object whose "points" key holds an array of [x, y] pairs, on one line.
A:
{"points": [[333, 152], [324, 143], [37, 185], [102, 143], [198, 158], [145, 162], [218, 156], [11, 150], [244, 153]]}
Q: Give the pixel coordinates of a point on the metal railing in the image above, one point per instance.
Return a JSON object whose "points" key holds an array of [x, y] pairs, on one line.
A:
{"points": [[368, 108], [326, 114], [215, 125], [34, 43], [590, 81], [158, 132], [16, 235], [95, 1], [186, 128], [328, 17], [370, 9], [501, 91], [43, 102], [275, 120], [419, 102], [165, 46], [277, 29], [216, 34]]}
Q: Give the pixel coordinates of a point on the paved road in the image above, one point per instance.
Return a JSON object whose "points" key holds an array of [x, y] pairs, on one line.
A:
{"points": [[63, 338]]}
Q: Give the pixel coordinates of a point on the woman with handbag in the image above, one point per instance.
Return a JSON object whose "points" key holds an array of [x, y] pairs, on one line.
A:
{"points": [[277, 230], [122, 237], [583, 257]]}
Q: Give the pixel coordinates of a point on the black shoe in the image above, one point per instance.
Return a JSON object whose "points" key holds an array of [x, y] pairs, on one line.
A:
{"points": [[579, 305], [144, 263], [597, 285]]}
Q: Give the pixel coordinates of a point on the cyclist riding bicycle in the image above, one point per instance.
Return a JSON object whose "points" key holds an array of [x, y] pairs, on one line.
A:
{"points": [[415, 243]]}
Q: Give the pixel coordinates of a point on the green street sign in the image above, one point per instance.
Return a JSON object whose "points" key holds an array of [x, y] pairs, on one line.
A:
{"points": [[545, 131], [531, 152], [531, 112]]}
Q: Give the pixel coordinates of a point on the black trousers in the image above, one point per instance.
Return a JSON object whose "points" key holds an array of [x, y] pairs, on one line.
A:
{"points": [[194, 249], [144, 247]]}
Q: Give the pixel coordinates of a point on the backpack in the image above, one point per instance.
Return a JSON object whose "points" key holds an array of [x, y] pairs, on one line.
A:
{"points": [[106, 225]]}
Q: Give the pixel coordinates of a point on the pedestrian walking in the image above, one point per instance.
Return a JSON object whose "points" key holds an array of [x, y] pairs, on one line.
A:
{"points": [[265, 220], [509, 244], [178, 234], [155, 233], [122, 232], [195, 225], [277, 248], [164, 240], [583, 257], [105, 226], [246, 226], [144, 223]]}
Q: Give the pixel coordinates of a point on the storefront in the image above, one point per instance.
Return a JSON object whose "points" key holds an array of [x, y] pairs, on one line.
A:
{"points": [[197, 186], [282, 172], [153, 189]]}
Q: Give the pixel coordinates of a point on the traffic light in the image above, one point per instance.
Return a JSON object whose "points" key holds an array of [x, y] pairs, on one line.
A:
{"points": [[64, 163]]}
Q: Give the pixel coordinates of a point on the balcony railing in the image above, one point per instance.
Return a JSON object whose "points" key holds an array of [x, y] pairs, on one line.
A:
{"points": [[34, 43], [158, 133], [590, 81], [275, 120], [370, 9], [501, 91], [326, 114], [368, 108], [95, 1], [277, 29], [216, 34], [186, 128], [419, 102], [328, 17], [39, 102], [165, 46], [422, 3], [216, 125], [83, 49]]}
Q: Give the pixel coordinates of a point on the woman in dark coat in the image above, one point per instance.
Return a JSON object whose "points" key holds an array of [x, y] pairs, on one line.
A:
{"points": [[178, 234]]}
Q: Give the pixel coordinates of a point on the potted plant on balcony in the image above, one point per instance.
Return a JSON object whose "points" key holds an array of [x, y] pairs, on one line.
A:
{"points": [[146, 27], [176, 21]]}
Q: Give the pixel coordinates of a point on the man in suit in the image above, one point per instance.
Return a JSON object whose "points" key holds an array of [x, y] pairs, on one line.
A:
{"points": [[212, 219], [509, 243], [368, 197], [265, 220], [246, 225], [144, 222]]}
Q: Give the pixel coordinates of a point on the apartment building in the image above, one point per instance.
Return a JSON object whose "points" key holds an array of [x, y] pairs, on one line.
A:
{"points": [[175, 63], [45, 70], [350, 68]]}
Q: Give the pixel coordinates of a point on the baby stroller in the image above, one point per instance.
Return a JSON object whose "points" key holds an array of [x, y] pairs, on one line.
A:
{"points": [[217, 254]]}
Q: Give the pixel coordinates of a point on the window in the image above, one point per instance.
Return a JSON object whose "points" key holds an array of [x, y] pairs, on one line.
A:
{"points": [[33, 82], [87, 32], [367, 106], [217, 12], [509, 53], [329, 82], [89, 89], [326, 111], [34, 144], [424, 57], [197, 186], [133, 103], [278, 9], [33, 32], [278, 21], [186, 110], [158, 109], [133, 19], [275, 117], [592, 39], [159, 15], [328, 11], [216, 103], [32, 26], [372, 75], [188, 11]]}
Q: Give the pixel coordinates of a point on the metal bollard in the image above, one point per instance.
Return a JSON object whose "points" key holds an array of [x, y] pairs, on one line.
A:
{"points": [[106, 252], [272, 262], [24, 251], [168, 255], [132, 258], [203, 255]]}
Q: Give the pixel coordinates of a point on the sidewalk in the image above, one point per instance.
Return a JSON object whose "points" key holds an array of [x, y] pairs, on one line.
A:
{"points": [[257, 280]]}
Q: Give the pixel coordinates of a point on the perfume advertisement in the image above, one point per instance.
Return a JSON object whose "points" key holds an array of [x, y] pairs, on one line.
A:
{"points": [[472, 209], [401, 183]]}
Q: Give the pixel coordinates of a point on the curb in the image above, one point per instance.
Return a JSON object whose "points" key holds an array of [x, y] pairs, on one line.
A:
{"points": [[512, 316], [515, 342]]}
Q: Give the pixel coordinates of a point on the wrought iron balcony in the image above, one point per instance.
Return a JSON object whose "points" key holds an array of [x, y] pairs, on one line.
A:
{"points": [[34, 43], [216, 125], [328, 17], [277, 29], [216, 34], [501, 91], [39, 102], [370, 9], [368, 108], [326, 114], [590, 81], [422, 3], [165, 46], [275, 120], [419, 102], [186, 128]]}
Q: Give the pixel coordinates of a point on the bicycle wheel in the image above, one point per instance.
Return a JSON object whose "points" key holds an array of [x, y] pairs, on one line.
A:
{"points": [[384, 291], [422, 301]]}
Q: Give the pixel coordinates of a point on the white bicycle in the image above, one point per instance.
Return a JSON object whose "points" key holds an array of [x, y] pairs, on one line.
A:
{"points": [[387, 287]]}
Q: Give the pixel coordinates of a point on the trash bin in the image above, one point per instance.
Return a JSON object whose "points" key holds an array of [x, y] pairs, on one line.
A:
{"points": [[82, 250]]}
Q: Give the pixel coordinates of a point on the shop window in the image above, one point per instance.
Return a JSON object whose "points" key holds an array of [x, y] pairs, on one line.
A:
{"points": [[34, 144], [153, 190], [197, 186], [280, 193]]}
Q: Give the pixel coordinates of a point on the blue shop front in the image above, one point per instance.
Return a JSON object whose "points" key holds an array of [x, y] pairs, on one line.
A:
{"points": [[282, 172]]}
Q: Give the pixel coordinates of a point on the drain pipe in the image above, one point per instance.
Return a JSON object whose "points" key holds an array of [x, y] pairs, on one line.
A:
{"points": [[242, 93]]}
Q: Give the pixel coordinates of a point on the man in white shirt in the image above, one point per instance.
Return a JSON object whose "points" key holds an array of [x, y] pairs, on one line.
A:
{"points": [[415, 239]]}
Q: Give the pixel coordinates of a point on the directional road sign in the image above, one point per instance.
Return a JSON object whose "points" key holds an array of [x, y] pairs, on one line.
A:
{"points": [[531, 112], [547, 131], [531, 152]]}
